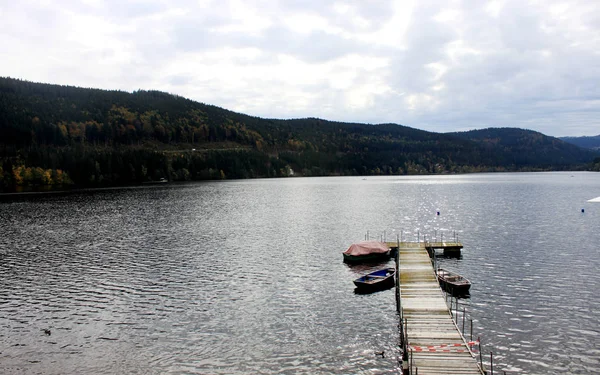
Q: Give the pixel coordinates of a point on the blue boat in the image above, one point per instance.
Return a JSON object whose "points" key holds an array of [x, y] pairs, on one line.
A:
{"points": [[377, 280]]}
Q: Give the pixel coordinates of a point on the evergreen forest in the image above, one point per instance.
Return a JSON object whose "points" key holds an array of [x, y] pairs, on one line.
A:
{"points": [[54, 136]]}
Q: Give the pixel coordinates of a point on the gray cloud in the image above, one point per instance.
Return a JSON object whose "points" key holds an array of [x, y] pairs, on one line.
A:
{"points": [[439, 66]]}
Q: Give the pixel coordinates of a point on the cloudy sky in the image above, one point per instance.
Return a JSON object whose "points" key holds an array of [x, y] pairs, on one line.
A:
{"points": [[434, 65]]}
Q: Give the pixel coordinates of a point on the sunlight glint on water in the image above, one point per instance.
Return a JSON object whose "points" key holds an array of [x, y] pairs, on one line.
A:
{"points": [[244, 277]]}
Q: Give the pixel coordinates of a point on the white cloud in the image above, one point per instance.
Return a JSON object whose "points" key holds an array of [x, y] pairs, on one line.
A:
{"points": [[243, 19], [434, 65], [306, 23], [494, 7]]}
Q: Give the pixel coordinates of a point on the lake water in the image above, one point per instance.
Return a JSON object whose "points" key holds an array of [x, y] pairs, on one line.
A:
{"points": [[246, 277]]}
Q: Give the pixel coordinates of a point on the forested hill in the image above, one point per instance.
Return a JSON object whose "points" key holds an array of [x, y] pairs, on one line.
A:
{"points": [[59, 135], [523, 148], [584, 142]]}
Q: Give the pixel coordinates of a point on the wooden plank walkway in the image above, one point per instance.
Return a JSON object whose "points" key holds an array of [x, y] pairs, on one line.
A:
{"points": [[435, 343], [451, 248]]}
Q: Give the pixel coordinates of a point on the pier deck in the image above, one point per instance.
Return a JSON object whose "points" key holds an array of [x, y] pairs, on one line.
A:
{"points": [[449, 247], [435, 344]]}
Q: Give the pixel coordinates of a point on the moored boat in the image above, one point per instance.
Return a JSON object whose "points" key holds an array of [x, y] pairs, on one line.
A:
{"points": [[377, 280], [453, 283], [366, 251]]}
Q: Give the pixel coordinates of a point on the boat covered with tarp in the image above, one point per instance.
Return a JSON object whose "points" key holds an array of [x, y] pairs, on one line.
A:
{"points": [[366, 251]]}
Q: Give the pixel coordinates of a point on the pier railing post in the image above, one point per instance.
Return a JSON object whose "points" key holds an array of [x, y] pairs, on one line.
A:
{"points": [[471, 339], [406, 357], [411, 362], [456, 310], [406, 335], [480, 353], [463, 326], [398, 297]]}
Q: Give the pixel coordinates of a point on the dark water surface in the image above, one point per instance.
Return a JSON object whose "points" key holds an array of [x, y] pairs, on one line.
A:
{"points": [[246, 277]]}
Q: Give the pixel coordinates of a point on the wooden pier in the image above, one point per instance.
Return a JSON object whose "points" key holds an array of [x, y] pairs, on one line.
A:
{"points": [[431, 340]]}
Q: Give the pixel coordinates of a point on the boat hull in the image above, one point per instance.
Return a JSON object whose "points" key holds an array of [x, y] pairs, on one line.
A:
{"points": [[375, 281], [354, 259], [455, 290], [453, 283]]}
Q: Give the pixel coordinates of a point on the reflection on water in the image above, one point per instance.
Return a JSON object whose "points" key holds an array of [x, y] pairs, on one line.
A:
{"points": [[247, 276]]}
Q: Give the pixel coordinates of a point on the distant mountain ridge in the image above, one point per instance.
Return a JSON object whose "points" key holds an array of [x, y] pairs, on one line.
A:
{"points": [[524, 147], [61, 135], [591, 142]]}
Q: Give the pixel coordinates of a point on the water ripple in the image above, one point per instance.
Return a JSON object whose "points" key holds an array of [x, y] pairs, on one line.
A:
{"points": [[246, 276]]}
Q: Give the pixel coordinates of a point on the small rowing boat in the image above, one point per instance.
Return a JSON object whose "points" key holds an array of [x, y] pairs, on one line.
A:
{"points": [[377, 280], [453, 283]]}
